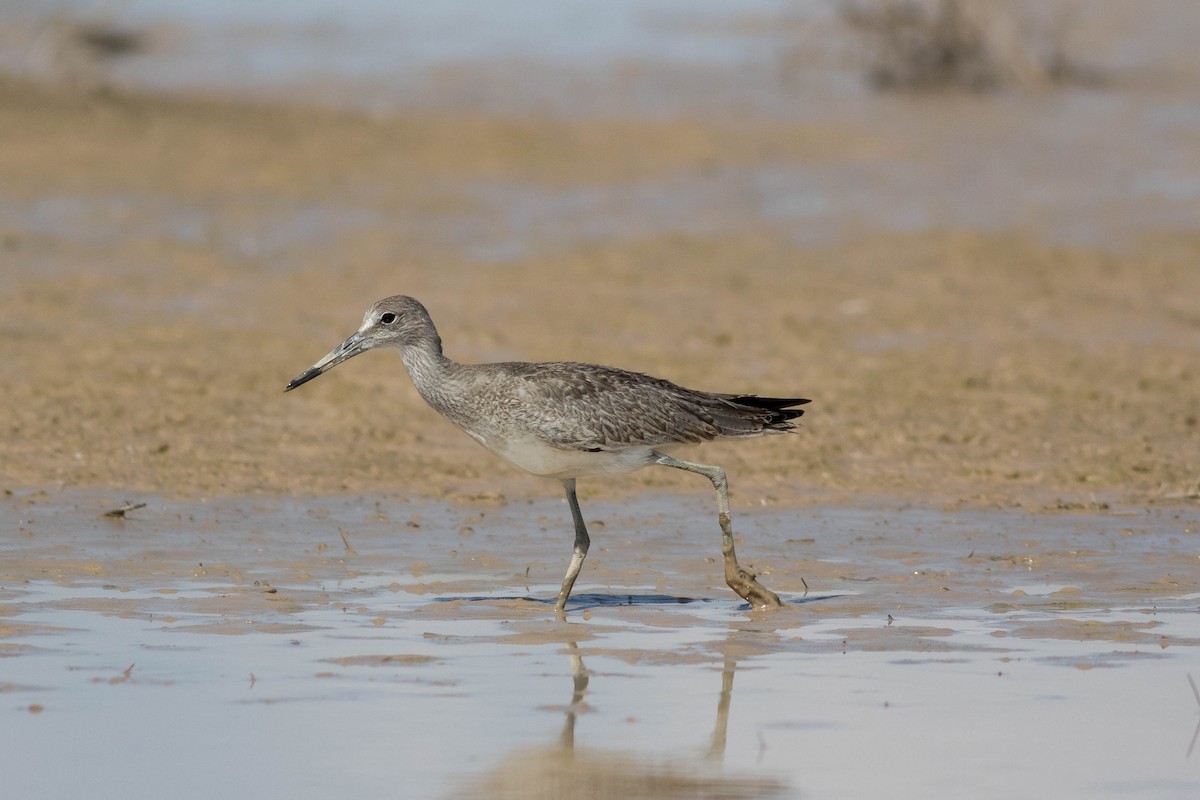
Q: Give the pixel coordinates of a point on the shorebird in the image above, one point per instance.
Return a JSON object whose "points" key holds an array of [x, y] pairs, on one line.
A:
{"points": [[566, 420]]}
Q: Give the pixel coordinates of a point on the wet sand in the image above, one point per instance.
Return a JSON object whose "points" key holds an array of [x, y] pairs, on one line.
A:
{"points": [[986, 532]]}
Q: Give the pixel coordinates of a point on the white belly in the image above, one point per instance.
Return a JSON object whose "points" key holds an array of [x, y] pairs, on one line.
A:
{"points": [[535, 456]]}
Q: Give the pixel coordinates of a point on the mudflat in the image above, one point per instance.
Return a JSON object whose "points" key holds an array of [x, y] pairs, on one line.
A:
{"points": [[171, 262]]}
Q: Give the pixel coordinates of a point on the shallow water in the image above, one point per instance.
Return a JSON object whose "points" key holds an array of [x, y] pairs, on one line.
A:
{"points": [[388, 50], [1076, 165], [233, 648]]}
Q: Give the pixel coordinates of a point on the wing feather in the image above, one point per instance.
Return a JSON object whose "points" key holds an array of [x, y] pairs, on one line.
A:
{"points": [[590, 407]]}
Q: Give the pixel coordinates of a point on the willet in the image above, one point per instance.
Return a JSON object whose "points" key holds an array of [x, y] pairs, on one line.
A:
{"points": [[566, 420]]}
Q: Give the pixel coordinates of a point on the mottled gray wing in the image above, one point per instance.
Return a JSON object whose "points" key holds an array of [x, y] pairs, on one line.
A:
{"points": [[590, 407]]}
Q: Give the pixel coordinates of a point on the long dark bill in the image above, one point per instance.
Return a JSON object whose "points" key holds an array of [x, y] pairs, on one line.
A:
{"points": [[302, 378], [346, 350]]}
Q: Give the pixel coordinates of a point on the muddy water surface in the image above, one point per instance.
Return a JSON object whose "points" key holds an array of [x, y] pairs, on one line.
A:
{"points": [[368, 646]]}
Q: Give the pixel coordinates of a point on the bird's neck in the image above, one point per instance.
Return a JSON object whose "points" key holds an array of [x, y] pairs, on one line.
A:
{"points": [[428, 367], [423, 358]]}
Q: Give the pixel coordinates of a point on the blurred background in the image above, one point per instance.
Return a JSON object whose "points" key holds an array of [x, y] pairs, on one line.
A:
{"points": [[968, 230]]}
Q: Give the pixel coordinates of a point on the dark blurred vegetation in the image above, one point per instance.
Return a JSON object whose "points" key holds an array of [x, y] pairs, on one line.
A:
{"points": [[960, 44]]}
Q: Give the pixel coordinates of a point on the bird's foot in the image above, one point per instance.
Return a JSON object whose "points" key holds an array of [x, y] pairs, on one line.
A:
{"points": [[747, 586], [560, 604]]}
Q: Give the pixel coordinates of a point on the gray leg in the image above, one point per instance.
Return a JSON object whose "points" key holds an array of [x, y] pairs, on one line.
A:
{"points": [[581, 547], [739, 579]]}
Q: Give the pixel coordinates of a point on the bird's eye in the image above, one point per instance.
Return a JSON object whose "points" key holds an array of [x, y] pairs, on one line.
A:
{"points": [[387, 318]]}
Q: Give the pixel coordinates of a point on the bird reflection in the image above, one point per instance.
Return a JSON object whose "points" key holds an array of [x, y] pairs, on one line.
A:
{"points": [[563, 772], [717, 750], [1196, 735], [579, 677]]}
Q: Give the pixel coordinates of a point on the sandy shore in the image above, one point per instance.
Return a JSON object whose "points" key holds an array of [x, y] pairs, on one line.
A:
{"points": [[169, 271]]}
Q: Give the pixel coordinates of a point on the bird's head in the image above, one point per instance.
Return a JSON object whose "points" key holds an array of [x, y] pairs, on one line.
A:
{"points": [[398, 321]]}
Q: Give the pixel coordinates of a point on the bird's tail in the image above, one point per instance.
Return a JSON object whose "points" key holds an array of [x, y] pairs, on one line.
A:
{"points": [[750, 415]]}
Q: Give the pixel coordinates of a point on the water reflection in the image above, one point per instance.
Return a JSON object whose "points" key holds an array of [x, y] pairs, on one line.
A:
{"points": [[579, 677], [716, 751], [1196, 735], [565, 770]]}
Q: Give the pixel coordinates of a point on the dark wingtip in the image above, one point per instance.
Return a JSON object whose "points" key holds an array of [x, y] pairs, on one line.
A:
{"points": [[771, 403], [779, 410], [302, 378]]}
